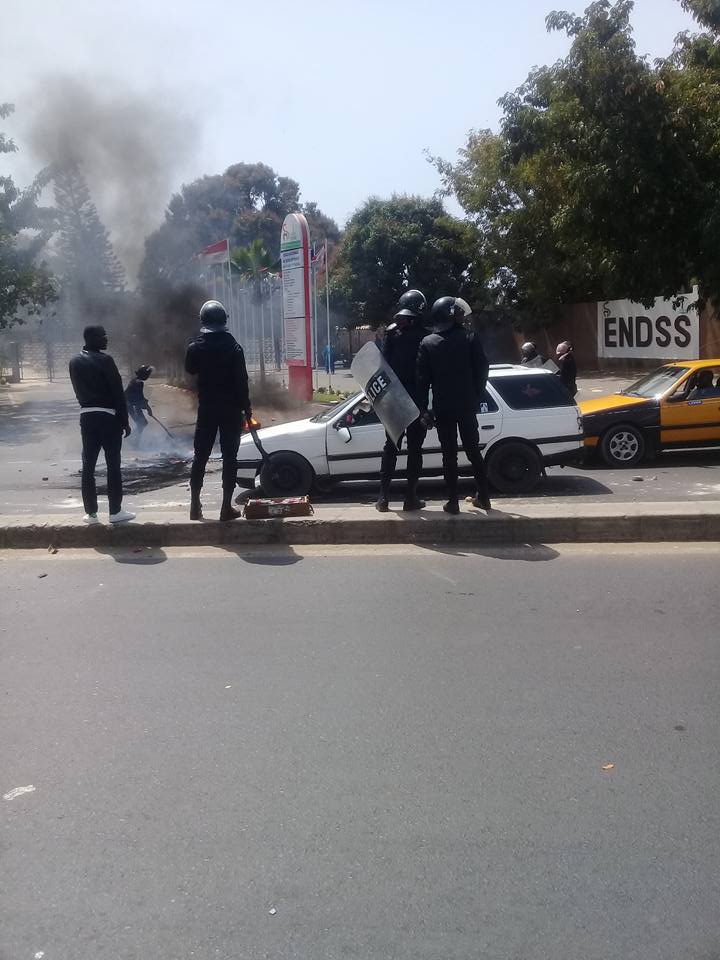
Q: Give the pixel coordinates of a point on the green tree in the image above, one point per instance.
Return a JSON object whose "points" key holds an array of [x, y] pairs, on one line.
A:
{"points": [[90, 271], [248, 202], [25, 285], [588, 191], [254, 264], [392, 245], [706, 12]]}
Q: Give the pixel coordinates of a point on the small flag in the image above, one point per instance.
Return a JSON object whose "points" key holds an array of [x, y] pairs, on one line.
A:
{"points": [[217, 252], [318, 257]]}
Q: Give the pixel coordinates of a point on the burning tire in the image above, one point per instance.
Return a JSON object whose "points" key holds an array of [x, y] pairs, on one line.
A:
{"points": [[286, 475]]}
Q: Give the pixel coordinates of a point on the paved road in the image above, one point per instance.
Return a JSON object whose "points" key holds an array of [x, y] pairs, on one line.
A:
{"points": [[39, 437], [388, 753]]}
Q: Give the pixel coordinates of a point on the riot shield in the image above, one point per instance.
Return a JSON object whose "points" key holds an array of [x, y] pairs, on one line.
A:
{"points": [[391, 401]]}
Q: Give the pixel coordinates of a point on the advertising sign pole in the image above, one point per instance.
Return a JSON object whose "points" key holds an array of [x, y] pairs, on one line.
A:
{"points": [[295, 257]]}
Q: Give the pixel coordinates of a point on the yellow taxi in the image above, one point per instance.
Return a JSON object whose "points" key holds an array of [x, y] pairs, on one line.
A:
{"points": [[676, 406]]}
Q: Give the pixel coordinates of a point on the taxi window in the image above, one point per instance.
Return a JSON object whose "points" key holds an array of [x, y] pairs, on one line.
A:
{"points": [[532, 392], [704, 384]]}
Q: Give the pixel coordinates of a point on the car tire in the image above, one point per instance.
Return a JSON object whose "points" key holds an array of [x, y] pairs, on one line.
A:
{"points": [[514, 467], [286, 475], [622, 446]]}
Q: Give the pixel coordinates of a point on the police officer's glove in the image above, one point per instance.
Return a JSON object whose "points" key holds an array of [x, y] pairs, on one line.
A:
{"points": [[126, 430], [149, 410], [427, 419]]}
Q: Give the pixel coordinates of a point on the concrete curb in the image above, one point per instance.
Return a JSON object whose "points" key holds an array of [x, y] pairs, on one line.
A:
{"points": [[467, 528]]}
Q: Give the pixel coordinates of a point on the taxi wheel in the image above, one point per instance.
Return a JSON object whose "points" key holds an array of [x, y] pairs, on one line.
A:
{"points": [[623, 446], [286, 475]]}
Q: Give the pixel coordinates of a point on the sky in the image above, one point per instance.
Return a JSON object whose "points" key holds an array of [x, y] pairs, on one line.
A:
{"points": [[342, 96]]}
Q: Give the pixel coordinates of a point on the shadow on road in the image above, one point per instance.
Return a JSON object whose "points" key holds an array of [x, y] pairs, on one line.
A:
{"points": [[135, 556], [527, 552], [272, 555]]}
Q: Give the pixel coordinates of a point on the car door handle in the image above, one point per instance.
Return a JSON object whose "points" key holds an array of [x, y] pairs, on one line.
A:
{"points": [[488, 426]]}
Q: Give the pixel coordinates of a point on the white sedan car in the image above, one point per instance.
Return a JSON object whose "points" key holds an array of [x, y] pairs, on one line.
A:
{"points": [[527, 421]]}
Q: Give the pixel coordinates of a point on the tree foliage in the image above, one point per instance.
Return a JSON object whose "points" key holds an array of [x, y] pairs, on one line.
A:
{"points": [[594, 186], [254, 264], [248, 202], [87, 262], [706, 12], [25, 285], [405, 242]]}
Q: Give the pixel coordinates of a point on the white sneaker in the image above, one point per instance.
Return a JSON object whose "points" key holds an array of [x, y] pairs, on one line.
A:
{"points": [[122, 516], [91, 518]]}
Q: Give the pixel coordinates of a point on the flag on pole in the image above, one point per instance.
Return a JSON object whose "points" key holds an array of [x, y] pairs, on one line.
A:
{"points": [[318, 257], [217, 252]]}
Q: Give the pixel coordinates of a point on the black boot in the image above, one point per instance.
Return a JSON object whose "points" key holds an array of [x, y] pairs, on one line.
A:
{"points": [[195, 506], [452, 506], [481, 500], [383, 501], [227, 510], [413, 502]]}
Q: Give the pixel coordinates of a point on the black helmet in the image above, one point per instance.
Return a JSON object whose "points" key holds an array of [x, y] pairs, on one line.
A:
{"points": [[444, 314], [213, 315], [411, 304], [143, 372]]}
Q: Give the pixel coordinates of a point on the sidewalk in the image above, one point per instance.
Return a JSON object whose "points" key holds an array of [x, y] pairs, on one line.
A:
{"points": [[519, 522]]}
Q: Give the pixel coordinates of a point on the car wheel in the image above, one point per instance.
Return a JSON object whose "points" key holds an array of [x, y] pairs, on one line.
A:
{"points": [[514, 468], [622, 446], [286, 475]]}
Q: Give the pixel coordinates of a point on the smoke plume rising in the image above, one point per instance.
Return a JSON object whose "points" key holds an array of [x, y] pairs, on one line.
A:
{"points": [[132, 149]]}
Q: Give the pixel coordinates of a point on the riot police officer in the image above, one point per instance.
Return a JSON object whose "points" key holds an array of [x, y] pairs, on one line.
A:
{"points": [[452, 362], [223, 403], [400, 349]]}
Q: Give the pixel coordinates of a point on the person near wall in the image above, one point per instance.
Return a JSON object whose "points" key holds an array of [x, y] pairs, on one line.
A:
{"points": [[567, 367]]}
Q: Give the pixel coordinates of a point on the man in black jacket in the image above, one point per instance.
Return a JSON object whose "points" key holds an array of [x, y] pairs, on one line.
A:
{"points": [[137, 401], [223, 402], [103, 421], [452, 362], [400, 349]]}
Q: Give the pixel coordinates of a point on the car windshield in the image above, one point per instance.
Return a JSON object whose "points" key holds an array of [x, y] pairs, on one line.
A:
{"points": [[656, 383], [331, 412]]}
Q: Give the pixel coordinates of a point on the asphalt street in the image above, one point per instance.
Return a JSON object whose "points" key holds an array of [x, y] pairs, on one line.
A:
{"points": [[39, 470], [406, 753]]}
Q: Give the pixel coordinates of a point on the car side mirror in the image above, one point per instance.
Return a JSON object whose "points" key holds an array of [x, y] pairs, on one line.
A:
{"points": [[677, 398], [343, 432]]}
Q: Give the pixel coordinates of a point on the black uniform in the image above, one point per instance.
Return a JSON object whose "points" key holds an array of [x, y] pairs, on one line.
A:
{"points": [[454, 364], [223, 394], [568, 372], [137, 403], [103, 417], [400, 349]]}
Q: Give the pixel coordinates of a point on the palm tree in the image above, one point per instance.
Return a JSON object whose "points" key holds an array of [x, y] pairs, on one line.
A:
{"points": [[254, 264]]}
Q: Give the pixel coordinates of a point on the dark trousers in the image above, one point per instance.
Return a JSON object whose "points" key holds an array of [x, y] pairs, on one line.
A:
{"points": [[415, 437], [448, 426], [209, 422], [139, 422], [101, 431]]}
